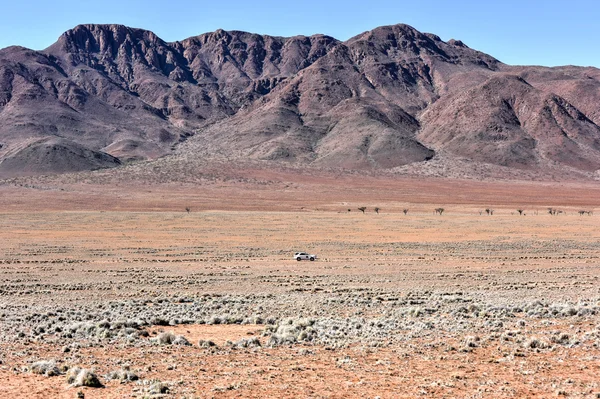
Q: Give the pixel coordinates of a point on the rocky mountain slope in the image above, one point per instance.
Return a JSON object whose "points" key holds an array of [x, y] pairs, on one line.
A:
{"points": [[107, 95]]}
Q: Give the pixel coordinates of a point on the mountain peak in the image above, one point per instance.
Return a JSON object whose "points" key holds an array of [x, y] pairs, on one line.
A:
{"points": [[101, 37], [386, 30]]}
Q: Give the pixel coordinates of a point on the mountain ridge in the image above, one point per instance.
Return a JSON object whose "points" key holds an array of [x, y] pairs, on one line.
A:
{"points": [[383, 99]]}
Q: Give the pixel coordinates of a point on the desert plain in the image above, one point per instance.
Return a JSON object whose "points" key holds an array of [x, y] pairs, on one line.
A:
{"points": [[190, 290]]}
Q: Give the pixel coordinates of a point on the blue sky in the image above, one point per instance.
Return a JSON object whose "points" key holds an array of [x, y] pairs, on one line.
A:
{"points": [[525, 32]]}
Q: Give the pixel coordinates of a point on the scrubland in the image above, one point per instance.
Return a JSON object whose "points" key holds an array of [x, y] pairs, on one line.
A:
{"points": [[211, 304]]}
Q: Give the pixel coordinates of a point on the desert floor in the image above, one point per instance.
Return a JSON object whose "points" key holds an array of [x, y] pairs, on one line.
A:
{"points": [[458, 305]]}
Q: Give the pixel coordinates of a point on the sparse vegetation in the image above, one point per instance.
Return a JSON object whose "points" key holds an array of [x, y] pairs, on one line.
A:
{"points": [[377, 209], [362, 209], [536, 343], [155, 388], [79, 377], [206, 344], [123, 375], [405, 211], [439, 210], [253, 342], [307, 315], [47, 368], [167, 338]]}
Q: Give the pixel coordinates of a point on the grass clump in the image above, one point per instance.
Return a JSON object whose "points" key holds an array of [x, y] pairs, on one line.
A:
{"points": [[45, 367], [79, 377], [247, 343], [167, 338], [536, 343], [154, 389], [123, 375], [206, 344], [290, 331]]}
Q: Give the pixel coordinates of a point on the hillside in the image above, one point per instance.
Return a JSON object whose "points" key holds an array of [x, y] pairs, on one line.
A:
{"points": [[391, 99]]}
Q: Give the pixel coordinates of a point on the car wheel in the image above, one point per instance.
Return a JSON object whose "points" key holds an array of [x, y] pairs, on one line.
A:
{"points": [[298, 259], [311, 258]]}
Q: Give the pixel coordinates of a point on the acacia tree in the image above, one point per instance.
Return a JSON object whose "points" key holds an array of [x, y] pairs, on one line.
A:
{"points": [[377, 210], [520, 211], [439, 210], [405, 211], [362, 209]]}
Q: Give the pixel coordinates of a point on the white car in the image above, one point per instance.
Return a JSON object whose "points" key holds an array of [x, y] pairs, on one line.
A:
{"points": [[304, 255]]}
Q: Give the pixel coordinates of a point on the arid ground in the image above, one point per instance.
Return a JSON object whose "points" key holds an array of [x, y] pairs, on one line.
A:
{"points": [[158, 302]]}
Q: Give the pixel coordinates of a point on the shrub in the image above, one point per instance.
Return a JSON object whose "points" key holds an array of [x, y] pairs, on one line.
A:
{"points": [[561, 338], [289, 331], [123, 375], [79, 377], [247, 343], [44, 367], [206, 344], [167, 338], [159, 321], [158, 388], [471, 341], [181, 340], [536, 343]]}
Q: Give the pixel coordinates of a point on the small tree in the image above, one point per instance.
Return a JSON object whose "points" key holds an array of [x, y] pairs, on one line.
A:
{"points": [[362, 209], [376, 210], [187, 209], [439, 210], [405, 211], [520, 211]]}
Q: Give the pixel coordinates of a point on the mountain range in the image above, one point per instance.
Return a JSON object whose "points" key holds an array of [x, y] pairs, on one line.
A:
{"points": [[105, 96]]}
